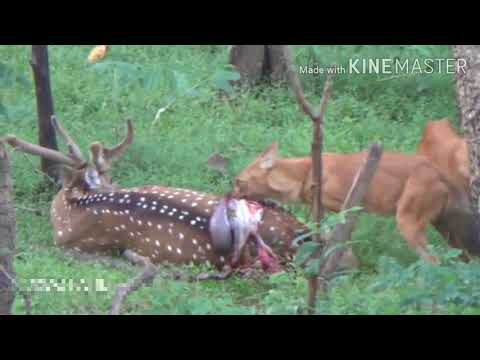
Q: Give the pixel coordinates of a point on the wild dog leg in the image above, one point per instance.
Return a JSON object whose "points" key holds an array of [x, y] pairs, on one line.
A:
{"points": [[421, 203]]}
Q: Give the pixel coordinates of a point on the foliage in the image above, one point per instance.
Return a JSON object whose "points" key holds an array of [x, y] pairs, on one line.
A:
{"points": [[172, 93]]}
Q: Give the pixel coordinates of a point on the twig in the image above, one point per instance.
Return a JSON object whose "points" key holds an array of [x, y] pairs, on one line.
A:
{"points": [[358, 191], [215, 276], [317, 145], [146, 276], [48, 177], [27, 298], [35, 211], [299, 94], [170, 103]]}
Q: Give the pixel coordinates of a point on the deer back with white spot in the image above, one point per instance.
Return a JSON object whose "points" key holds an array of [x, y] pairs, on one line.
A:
{"points": [[156, 222]]}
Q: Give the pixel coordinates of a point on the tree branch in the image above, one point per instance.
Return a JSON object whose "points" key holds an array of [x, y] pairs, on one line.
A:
{"points": [[343, 232], [27, 298], [148, 274], [317, 145], [296, 85]]}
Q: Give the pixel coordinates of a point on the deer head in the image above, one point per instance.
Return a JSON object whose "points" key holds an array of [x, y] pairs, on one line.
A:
{"points": [[79, 176]]}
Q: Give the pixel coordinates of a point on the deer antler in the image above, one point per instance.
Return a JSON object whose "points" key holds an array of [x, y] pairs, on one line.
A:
{"points": [[46, 153], [103, 156], [73, 148], [116, 152]]}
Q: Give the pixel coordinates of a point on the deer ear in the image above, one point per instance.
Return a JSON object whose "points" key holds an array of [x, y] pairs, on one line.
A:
{"points": [[68, 174], [269, 156]]}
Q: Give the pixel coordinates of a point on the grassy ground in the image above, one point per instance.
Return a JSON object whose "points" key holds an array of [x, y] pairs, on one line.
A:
{"points": [[172, 148]]}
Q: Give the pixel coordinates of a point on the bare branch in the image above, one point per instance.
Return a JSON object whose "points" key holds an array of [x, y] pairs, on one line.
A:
{"points": [[215, 276], [146, 276], [8, 231], [317, 145], [27, 297], [39, 172], [343, 232], [35, 211], [296, 84], [327, 91], [298, 91]]}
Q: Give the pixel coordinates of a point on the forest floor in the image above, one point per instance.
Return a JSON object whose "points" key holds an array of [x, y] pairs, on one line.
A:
{"points": [[172, 146]]}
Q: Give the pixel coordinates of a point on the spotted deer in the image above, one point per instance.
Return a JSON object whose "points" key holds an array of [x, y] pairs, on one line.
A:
{"points": [[92, 214]]}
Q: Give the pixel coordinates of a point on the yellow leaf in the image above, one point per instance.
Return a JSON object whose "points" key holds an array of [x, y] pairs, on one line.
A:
{"points": [[98, 53]]}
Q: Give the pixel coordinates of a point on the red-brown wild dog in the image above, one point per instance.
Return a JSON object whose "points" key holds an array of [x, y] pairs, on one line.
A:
{"points": [[448, 151], [408, 187]]}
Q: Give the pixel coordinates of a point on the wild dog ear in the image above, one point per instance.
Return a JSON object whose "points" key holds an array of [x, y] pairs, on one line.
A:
{"points": [[269, 156]]}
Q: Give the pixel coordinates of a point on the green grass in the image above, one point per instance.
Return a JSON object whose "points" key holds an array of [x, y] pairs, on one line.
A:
{"points": [[94, 101]]}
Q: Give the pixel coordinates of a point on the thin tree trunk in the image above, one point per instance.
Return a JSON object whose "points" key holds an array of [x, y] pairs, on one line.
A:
{"points": [[276, 63], [7, 235], [45, 110], [343, 232], [317, 116], [468, 100], [257, 62]]}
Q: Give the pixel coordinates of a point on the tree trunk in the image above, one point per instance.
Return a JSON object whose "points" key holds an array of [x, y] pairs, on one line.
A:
{"points": [[258, 62], [45, 110], [275, 64], [7, 235], [468, 100]]}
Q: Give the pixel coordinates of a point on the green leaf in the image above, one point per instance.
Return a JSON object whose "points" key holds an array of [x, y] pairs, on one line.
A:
{"points": [[9, 77], [222, 79], [3, 111], [279, 278], [313, 267], [306, 250], [181, 82], [452, 254], [201, 307], [337, 247]]}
